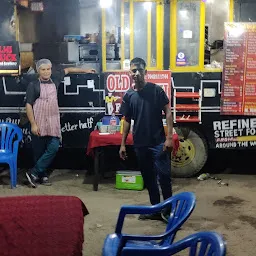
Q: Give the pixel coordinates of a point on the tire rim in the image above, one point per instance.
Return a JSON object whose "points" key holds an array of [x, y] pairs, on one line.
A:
{"points": [[185, 154]]}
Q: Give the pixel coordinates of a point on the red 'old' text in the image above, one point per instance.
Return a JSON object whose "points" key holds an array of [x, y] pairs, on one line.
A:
{"points": [[118, 83]]}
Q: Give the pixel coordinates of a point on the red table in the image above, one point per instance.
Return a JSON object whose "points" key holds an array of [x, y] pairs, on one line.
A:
{"points": [[96, 141], [41, 226]]}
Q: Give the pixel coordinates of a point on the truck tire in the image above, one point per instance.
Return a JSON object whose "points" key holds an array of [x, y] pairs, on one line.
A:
{"points": [[192, 154]]}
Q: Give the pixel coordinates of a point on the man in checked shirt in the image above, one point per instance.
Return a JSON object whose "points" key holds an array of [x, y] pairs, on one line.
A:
{"points": [[44, 116]]}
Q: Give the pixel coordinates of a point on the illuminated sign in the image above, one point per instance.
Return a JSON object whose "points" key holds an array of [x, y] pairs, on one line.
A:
{"points": [[9, 57]]}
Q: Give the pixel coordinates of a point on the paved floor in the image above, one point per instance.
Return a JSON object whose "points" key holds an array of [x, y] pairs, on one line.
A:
{"points": [[227, 210]]}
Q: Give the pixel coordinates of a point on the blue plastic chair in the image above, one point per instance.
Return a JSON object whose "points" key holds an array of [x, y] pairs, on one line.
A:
{"points": [[10, 137], [199, 244], [181, 205]]}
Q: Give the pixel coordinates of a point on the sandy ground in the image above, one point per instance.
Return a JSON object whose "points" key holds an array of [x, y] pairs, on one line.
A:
{"points": [[227, 210]]}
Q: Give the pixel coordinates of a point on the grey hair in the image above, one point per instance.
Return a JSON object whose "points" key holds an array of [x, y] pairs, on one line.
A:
{"points": [[43, 62]]}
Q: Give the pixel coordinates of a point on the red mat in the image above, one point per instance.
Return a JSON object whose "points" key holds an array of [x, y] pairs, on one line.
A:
{"points": [[41, 226]]}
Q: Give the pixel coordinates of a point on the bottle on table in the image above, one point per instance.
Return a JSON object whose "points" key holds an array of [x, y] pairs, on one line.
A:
{"points": [[112, 124]]}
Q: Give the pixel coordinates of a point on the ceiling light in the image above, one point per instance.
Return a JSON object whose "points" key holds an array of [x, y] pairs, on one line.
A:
{"points": [[148, 6], [106, 3]]}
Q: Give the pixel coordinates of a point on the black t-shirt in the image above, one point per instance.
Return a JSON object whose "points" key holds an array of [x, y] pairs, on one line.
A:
{"points": [[33, 89], [145, 108]]}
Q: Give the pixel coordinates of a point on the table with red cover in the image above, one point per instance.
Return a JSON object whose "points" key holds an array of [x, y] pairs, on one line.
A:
{"points": [[41, 226], [96, 141]]}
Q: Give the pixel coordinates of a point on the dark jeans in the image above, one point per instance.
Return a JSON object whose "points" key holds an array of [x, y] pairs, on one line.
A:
{"points": [[155, 165], [44, 150]]}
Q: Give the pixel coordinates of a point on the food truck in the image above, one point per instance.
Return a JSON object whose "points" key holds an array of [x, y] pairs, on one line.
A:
{"points": [[202, 52]]}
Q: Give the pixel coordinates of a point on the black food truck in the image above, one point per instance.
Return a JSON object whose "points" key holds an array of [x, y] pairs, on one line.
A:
{"points": [[201, 52]]}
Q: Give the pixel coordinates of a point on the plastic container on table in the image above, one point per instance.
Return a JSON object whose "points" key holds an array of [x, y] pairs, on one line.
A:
{"points": [[112, 124]]}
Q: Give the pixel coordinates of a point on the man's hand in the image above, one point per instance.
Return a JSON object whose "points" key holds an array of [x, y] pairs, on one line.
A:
{"points": [[168, 146], [79, 70], [91, 71], [35, 130], [122, 153]]}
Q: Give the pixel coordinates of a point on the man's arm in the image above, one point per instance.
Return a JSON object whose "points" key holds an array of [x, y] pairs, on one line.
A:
{"points": [[168, 142], [78, 70], [30, 99], [126, 130], [165, 106], [30, 114], [31, 118], [169, 120], [126, 112]]}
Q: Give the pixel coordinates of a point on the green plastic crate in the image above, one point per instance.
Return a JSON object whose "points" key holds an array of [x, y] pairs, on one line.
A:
{"points": [[129, 180]]}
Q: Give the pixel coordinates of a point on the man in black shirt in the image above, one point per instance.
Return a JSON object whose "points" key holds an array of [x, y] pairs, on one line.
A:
{"points": [[144, 104]]}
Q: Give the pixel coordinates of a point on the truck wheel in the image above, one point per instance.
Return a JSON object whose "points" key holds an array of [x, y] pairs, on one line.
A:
{"points": [[191, 156]]}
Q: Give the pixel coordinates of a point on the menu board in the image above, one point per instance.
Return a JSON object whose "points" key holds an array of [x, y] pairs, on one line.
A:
{"points": [[239, 73]]}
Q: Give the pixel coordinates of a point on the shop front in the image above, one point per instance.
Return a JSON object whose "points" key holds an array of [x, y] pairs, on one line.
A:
{"points": [[181, 40]]}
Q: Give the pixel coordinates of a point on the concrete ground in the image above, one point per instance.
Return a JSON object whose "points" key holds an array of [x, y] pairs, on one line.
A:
{"points": [[227, 210]]}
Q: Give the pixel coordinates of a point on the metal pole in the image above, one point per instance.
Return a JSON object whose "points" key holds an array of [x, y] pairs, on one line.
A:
{"points": [[100, 41]]}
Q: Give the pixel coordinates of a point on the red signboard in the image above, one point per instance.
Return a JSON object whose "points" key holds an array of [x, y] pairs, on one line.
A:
{"points": [[117, 83], [9, 58], [239, 74]]}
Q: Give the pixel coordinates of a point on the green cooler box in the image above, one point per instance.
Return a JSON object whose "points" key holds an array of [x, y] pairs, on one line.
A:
{"points": [[129, 180]]}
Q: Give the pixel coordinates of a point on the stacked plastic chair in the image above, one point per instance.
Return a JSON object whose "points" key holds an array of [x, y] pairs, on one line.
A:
{"points": [[10, 137]]}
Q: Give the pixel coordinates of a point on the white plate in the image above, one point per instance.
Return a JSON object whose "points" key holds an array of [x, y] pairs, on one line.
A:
{"points": [[104, 133]]}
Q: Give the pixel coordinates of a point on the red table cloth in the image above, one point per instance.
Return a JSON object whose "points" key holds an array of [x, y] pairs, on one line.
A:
{"points": [[96, 140], [41, 226]]}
